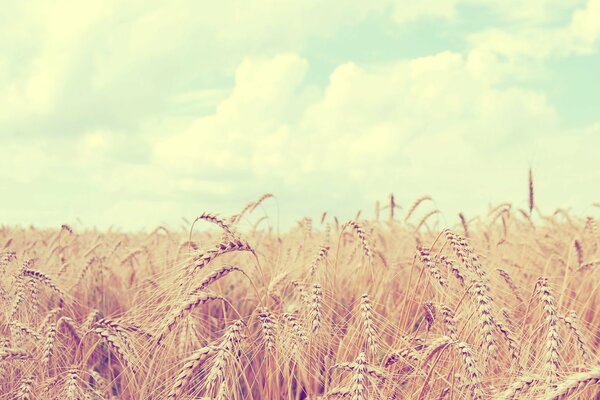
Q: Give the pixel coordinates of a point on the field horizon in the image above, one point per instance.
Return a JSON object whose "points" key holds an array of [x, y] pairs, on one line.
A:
{"points": [[500, 306]]}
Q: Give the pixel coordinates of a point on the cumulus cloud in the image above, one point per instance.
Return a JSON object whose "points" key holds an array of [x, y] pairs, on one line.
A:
{"points": [[369, 130]]}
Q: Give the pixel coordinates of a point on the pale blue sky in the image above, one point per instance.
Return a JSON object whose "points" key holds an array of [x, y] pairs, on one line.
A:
{"points": [[136, 115]]}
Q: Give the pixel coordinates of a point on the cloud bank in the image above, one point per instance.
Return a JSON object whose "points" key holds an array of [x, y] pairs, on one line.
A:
{"points": [[137, 116]]}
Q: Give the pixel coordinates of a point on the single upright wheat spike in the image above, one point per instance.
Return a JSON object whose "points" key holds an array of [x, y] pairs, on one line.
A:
{"points": [[463, 221], [449, 321], [88, 266], [362, 236], [366, 314], [315, 308], [531, 198], [432, 268], [268, 328], [486, 320], [48, 348], [579, 251], [19, 296], [552, 358], [5, 259], [360, 369], [71, 389], [26, 388], [297, 330], [34, 291]]}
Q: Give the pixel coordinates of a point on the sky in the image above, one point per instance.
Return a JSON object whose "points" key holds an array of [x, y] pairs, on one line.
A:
{"points": [[135, 114]]}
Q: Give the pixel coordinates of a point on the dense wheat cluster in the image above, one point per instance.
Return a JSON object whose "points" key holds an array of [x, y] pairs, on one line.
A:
{"points": [[403, 306]]}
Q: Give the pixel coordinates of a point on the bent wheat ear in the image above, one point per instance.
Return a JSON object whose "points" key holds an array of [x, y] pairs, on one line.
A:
{"points": [[45, 279], [115, 345], [215, 219], [511, 284], [323, 251], [202, 260], [362, 236], [518, 388], [185, 307], [575, 383], [414, 206], [572, 322], [215, 276], [8, 354]]}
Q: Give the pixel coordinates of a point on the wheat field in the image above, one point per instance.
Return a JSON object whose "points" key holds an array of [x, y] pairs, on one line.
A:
{"points": [[402, 306]]}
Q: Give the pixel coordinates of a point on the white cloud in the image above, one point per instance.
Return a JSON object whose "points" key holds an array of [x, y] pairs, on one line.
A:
{"points": [[373, 129], [580, 35], [248, 129], [184, 105]]}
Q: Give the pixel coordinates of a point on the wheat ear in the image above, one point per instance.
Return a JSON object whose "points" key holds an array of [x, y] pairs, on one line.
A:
{"points": [[546, 298], [185, 307], [574, 383], [191, 364]]}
